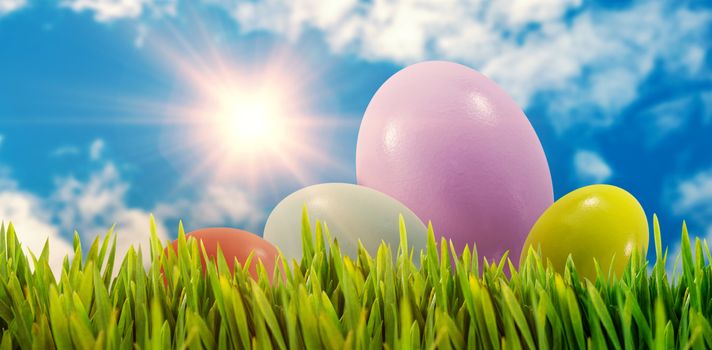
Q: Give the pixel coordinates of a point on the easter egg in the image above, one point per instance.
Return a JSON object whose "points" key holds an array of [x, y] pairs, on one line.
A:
{"points": [[350, 212], [597, 221], [235, 244], [455, 148]]}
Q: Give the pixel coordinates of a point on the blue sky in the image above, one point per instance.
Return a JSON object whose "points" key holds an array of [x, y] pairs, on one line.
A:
{"points": [[96, 98]]}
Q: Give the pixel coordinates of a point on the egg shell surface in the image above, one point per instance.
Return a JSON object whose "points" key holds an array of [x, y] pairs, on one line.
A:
{"points": [[234, 243], [595, 221], [450, 144], [350, 212]]}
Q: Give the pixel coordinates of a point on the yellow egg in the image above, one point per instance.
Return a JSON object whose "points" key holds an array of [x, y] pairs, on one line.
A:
{"points": [[597, 221]]}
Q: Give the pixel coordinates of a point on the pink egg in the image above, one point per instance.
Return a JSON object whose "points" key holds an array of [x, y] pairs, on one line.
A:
{"points": [[456, 149]]}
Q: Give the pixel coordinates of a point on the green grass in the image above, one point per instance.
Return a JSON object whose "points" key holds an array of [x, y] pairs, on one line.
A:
{"points": [[327, 301]]}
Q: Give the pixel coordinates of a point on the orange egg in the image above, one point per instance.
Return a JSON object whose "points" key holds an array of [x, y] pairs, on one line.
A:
{"points": [[235, 244]]}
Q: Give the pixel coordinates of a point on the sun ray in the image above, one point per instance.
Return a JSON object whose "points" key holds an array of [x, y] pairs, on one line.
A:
{"points": [[223, 115], [248, 122]]}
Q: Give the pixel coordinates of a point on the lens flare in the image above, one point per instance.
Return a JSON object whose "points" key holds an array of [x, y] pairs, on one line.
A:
{"points": [[253, 126], [227, 113], [251, 123]]}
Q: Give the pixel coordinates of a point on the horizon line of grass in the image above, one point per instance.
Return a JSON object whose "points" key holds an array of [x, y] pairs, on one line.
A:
{"points": [[327, 300]]}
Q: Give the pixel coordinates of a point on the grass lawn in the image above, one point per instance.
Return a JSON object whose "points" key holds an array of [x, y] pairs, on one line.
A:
{"points": [[329, 301]]}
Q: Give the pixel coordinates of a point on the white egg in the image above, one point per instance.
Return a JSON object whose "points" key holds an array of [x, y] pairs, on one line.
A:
{"points": [[351, 213]]}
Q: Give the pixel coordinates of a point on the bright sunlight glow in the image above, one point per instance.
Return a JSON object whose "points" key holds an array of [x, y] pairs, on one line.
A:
{"points": [[238, 120], [253, 125], [249, 123]]}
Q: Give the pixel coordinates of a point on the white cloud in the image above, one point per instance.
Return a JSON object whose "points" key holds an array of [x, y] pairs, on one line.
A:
{"points": [[33, 226], [95, 204], [6, 182], [111, 10], [141, 35], [92, 204], [107, 10], [7, 6], [65, 151], [32, 221], [593, 61], [694, 195], [666, 118], [217, 204], [693, 199], [590, 167], [96, 148]]}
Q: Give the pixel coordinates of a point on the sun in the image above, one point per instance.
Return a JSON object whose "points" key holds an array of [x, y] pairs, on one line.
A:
{"points": [[254, 129], [230, 117], [253, 125], [249, 123]]}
